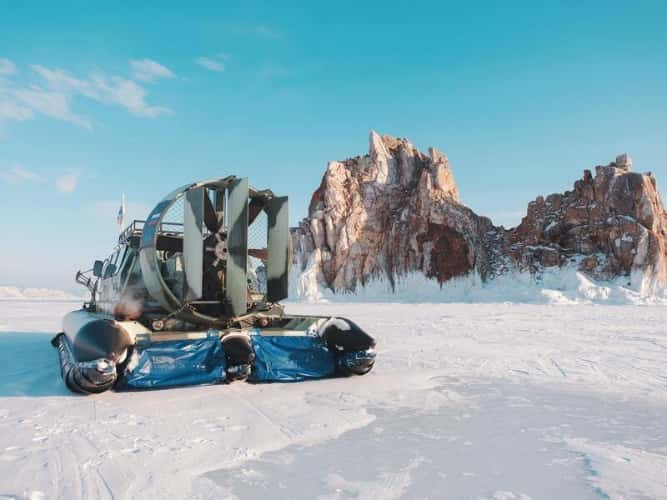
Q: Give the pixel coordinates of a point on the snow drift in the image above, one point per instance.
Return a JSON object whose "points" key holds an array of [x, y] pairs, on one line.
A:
{"points": [[561, 286]]}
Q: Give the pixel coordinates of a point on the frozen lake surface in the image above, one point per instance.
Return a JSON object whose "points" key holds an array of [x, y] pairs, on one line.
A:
{"points": [[499, 401]]}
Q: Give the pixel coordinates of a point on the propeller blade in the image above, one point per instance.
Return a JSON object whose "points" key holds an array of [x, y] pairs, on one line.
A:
{"points": [[277, 266], [236, 276], [255, 207], [193, 243], [210, 216], [220, 204]]}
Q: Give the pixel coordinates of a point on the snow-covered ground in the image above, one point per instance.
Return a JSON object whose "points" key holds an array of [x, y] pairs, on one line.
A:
{"points": [[562, 286], [498, 401], [39, 294]]}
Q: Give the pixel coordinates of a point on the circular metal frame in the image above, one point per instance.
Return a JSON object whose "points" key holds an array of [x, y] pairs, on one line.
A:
{"points": [[149, 258]]}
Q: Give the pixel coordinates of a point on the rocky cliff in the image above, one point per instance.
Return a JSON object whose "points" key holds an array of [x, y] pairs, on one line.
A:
{"points": [[397, 211], [609, 225]]}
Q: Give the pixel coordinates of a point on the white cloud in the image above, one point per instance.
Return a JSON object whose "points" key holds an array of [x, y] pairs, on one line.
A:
{"points": [[127, 94], [55, 94], [61, 81], [19, 175], [10, 109], [7, 67], [67, 183], [147, 70], [51, 103], [216, 65], [102, 88]]}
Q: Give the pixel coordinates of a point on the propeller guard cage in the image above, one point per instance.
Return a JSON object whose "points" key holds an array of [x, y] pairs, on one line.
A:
{"points": [[212, 245]]}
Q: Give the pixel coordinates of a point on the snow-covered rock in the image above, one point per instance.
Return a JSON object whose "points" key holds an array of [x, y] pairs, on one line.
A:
{"points": [[389, 213], [614, 224], [395, 215]]}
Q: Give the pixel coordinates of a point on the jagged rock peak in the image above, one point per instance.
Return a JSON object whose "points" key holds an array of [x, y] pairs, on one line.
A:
{"points": [[393, 211], [396, 161], [376, 147], [624, 161], [613, 223]]}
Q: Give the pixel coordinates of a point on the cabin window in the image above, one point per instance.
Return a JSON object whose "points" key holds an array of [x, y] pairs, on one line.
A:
{"points": [[114, 257], [107, 261], [126, 264], [135, 272]]}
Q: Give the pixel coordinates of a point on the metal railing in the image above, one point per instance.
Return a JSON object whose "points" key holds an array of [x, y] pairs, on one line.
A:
{"points": [[136, 228]]}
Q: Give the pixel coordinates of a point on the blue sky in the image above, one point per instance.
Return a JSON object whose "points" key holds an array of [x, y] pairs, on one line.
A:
{"points": [[97, 100]]}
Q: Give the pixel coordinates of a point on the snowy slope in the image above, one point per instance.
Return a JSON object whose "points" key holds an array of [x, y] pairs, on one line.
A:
{"points": [[554, 286], [492, 401]]}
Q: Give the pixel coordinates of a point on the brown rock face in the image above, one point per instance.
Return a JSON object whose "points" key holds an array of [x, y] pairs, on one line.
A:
{"points": [[393, 211], [397, 210], [610, 225]]}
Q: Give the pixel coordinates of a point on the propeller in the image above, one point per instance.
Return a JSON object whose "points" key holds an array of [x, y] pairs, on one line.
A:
{"points": [[214, 249], [203, 255], [215, 243]]}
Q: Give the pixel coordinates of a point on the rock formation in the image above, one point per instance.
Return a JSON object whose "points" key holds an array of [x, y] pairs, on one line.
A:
{"points": [[396, 211], [609, 225]]}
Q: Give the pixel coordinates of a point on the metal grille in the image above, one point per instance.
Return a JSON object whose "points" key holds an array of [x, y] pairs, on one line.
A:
{"points": [[257, 240], [257, 232], [172, 222]]}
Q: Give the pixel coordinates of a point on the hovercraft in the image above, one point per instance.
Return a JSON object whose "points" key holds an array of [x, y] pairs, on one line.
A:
{"points": [[191, 295]]}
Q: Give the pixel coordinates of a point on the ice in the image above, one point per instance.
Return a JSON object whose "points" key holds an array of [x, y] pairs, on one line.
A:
{"points": [[550, 226], [609, 463], [487, 400], [553, 286]]}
